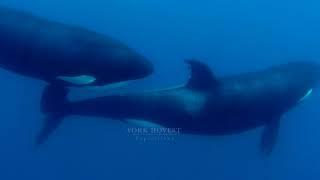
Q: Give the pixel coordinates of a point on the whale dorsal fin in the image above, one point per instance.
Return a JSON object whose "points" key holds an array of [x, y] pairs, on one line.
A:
{"points": [[201, 77]]}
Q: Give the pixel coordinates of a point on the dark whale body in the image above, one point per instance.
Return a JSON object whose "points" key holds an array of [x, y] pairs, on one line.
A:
{"points": [[64, 54], [206, 105]]}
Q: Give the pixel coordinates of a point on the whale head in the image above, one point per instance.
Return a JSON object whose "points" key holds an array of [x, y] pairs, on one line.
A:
{"points": [[303, 77], [123, 71], [120, 64]]}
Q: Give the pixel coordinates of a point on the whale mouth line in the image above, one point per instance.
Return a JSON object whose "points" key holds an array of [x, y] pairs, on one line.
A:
{"points": [[309, 92]]}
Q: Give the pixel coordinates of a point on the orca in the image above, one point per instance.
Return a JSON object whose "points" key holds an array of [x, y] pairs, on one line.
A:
{"points": [[68, 55], [205, 105]]}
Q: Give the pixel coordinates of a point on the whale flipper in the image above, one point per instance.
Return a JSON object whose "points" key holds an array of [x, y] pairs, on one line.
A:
{"points": [[51, 123], [201, 76], [54, 106], [270, 135]]}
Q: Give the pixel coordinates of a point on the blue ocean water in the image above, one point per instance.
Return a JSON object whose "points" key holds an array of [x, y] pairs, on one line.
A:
{"points": [[232, 36]]}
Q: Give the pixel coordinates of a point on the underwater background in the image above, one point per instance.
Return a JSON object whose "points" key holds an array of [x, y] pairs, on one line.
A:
{"points": [[232, 36]]}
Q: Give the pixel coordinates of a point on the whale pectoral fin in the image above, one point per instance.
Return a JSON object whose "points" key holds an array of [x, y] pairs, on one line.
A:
{"points": [[269, 135], [51, 123]]}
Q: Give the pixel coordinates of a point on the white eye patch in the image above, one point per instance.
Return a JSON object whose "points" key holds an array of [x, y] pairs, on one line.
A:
{"points": [[78, 80], [306, 95]]}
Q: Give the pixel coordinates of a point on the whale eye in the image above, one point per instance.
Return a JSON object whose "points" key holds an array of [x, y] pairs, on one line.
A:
{"points": [[78, 80], [306, 95]]}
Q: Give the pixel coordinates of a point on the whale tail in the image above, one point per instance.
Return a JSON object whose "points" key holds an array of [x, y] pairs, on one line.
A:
{"points": [[54, 106]]}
